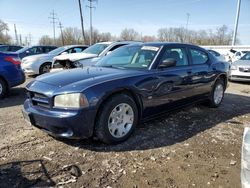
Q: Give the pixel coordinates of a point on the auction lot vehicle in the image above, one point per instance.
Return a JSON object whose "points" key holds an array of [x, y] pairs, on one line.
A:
{"points": [[11, 73], [40, 64], [33, 50], [240, 70], [132, 84], [88, 57], [9, 48], [217, 55]]}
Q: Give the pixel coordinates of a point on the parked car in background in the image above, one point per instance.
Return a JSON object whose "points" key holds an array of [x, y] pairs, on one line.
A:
{"points": [[132, 84], [11, 73], [40, 64], [240, 70], [33, 50], [88, 57], [217, 55], [10, 48]]}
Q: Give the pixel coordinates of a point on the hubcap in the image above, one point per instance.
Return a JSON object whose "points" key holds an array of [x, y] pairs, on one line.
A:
{"points": [[218, 93], [46, 68], [121, 120]]}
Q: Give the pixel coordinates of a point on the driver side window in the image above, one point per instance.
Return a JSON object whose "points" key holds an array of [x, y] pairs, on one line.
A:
{"points": [[178, 54]]}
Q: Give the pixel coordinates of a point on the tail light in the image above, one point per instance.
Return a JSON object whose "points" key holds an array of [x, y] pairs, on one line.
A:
{"points": [[14, 60]]}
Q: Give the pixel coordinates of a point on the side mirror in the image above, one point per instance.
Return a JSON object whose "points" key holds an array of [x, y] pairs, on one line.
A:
{"points": [[169, 62], [108, 52], [64, 53]]}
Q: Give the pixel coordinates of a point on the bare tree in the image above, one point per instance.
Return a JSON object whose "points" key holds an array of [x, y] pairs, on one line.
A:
{"points": [[129, 34], [4, 37], [46, 40]]}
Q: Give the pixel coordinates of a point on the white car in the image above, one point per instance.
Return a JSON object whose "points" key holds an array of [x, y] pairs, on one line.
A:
{"points": [[40, 64], [88, 57], [240, 70]]}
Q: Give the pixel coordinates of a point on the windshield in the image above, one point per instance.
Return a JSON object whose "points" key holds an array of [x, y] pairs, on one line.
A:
{"points": [[246, 56], [57, 50], [22, 50], [95, 49], [138, 56]]}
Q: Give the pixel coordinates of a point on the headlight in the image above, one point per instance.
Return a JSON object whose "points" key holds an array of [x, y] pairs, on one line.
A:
{"points": [[233, 67], [72, 100]]}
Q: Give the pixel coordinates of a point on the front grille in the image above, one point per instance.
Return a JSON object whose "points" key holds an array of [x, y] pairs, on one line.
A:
{"points": [[244, 69], [39, 99]]}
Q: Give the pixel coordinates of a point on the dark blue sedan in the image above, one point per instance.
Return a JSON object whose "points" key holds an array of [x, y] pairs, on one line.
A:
{"points": [[11, 73], [132, 84]]}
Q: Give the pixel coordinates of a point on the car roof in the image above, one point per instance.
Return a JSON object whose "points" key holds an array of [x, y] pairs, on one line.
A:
{"points": [[75, 45]]}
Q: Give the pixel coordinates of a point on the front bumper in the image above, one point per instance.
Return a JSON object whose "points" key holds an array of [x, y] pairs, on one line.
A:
{"points": [[28, 69], [73, 124], [236, 75]]}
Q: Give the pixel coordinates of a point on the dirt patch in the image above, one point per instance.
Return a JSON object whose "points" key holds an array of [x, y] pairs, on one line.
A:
{"points": [[195, 147]]}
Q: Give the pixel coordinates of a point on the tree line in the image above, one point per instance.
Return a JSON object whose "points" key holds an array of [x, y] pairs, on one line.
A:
{"points": [[220, 36]]}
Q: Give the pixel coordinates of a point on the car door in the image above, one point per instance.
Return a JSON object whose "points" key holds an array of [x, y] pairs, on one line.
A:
{"points": [[171, 85], [202, 72]]}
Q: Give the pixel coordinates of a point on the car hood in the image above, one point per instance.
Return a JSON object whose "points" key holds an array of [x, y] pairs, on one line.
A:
{"points": [[75, 56], [82, 78], [242, 63]]}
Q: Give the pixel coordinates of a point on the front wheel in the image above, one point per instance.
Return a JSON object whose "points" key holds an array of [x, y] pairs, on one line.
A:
{"points": [[45, 68], [217, 94], [117, 119]]}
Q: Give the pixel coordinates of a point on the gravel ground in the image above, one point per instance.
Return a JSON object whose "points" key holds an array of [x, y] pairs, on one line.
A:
{"points": [[195, 147]]}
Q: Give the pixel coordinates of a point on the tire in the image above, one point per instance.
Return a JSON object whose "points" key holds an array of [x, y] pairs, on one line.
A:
{"points": [[44, 68], [3, 88], [117, 119], [217, 94]]}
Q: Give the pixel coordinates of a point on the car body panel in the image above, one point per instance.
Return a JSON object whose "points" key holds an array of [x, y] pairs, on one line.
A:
{"points": [[11, 73], [155, 90], [242, 71]]}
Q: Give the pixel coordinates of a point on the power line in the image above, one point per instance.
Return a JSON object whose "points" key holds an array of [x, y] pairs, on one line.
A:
{"points": [[61, 26], [81, 16], [53, 18], [90, 6]]}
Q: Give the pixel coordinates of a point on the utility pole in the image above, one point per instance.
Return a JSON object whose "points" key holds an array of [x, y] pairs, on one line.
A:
{"points": [[53, 18], [60, 26], [188, 16], [16, 34], [236, 23], [20, 40], [29, 39], [81, 16], [90, 6]]}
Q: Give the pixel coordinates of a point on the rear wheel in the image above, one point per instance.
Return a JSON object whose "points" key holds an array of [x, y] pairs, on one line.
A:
{"points": [[217, 94], [45, 68], [117, 119], [3, 88]]}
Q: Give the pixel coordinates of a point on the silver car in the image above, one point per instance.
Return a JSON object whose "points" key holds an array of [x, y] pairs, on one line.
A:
{"points": [[40, 64], [240, 70]]}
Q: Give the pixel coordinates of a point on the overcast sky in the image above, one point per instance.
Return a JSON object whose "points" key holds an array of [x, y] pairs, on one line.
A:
{"points": [[145, 16]]}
